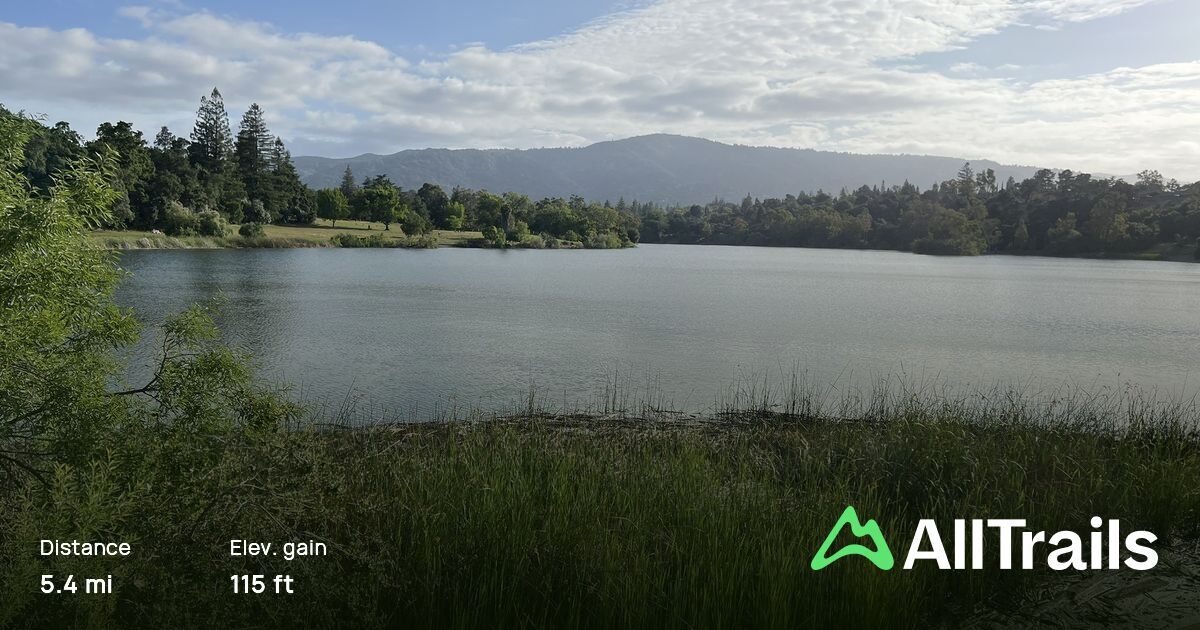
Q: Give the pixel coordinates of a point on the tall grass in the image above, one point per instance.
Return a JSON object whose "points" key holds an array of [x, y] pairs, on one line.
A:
{"points": [[625, 513]]}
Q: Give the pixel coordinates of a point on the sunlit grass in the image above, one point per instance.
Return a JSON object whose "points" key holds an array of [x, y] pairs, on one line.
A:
{"points": [[316, 235]]}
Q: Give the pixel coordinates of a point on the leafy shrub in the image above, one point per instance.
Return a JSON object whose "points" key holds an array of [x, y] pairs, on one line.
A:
{"points": [[252, 230], [495, 236], [179, 221], [415, 223], [211, 223], [519, 232], [233, 213], [255, 212], [301, 210], [422, 241], [607, 240], [949, 246], [533, 241], [350, 240]]}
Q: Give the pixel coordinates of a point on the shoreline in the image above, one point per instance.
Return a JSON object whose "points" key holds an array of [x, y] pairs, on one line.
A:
{"points": [[356, 235], [303, 237], [1173, 253]]}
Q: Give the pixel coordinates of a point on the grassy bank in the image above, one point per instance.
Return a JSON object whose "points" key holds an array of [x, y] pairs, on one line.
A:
{"points": [[320, 234], [613, 518]]}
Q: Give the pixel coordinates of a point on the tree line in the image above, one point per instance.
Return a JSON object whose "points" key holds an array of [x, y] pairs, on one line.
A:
{"points": [[1059, 213], [215, 177], [183, 185], [508, 219]]}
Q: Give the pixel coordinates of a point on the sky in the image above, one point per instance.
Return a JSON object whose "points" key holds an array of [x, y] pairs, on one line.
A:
{"points": [[1105, 86]]}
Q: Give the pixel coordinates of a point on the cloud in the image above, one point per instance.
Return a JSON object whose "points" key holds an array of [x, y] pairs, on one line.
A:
{"points": [[822, 73]]}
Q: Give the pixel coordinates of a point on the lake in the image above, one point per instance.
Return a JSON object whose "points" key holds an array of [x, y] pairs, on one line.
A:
{"points": [[408, 331]]}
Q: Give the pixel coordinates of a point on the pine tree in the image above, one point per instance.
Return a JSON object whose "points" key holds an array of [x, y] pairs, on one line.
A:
{"points": [[293, 201], [212, 141], [255, 152], [349, 187], [165, 140], [211, 152]]}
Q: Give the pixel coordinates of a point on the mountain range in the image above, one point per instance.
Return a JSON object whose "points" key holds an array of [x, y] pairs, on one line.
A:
{"points": [[662, 168]]}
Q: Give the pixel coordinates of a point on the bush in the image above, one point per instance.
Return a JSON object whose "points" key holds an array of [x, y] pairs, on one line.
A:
{"points": [[255, 212], [301, 210], [350, 240], [211, 223], [519, 232], [179, 221], [495, 236], [421, 241], [233, 213], [948, 246], [415, 223], [533, 241], [252, 230], [607, 240]]}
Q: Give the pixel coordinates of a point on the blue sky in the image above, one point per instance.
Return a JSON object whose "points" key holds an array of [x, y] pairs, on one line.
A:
{"points": [[404, 26], [1161, 32], [1110, 86]]}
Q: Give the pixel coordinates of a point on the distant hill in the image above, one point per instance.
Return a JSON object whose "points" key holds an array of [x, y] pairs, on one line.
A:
{"points": [[660, 168]]}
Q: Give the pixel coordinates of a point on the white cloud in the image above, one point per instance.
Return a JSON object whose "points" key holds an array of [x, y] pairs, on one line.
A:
{"points": [[749, 71]]}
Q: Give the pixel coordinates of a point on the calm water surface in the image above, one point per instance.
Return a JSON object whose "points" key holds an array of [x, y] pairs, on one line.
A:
{"points": [[408, 330]]}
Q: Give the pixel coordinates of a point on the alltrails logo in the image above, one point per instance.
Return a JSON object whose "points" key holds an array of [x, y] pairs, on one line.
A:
{"points": [[1064, 550], [880, 556]]}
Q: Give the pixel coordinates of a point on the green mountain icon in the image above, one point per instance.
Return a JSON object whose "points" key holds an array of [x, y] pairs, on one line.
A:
{"points": [[880, 556]]}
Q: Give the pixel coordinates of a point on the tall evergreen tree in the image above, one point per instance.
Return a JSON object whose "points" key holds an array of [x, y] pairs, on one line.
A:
{"points": [[174, 176], [255, 152], [294, 202], [349, 186], [212, 141], [211, 152]]}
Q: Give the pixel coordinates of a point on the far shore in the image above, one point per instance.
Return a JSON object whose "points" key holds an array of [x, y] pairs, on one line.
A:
{"points": [[322, 232], [319, 234]]}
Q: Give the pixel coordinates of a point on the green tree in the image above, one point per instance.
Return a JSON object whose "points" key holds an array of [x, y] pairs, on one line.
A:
{"points": [[254, 152], [255, 212], [332, 205], [50, 151], [456, 216], [212, 140], [414, 222], [57, 320], [174, 176], [490, 210], [437, 204], [348, 187], [1064, 237], [211, 152], [379, 203], [1020, 237], [1107, 223], [495, 236], [135, 168], [294, 202]]}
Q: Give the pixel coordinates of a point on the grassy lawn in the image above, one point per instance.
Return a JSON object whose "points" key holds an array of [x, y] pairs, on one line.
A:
{"points": [[315, 235]]}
